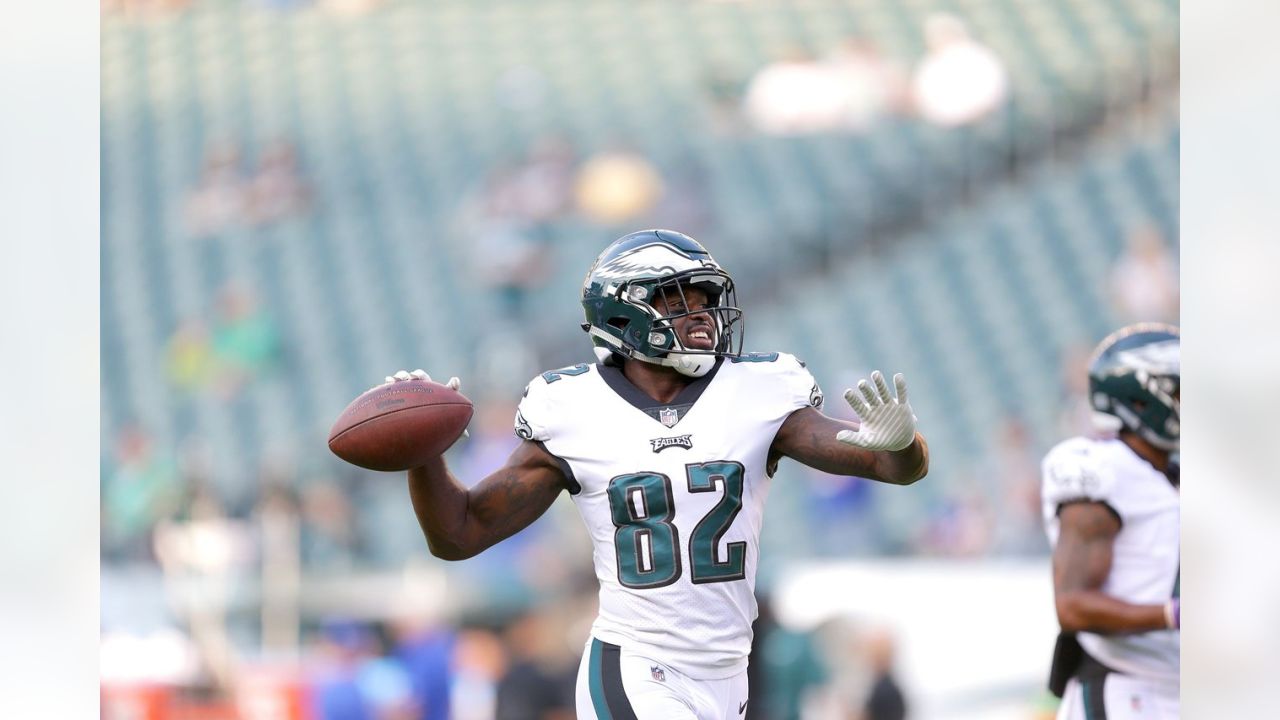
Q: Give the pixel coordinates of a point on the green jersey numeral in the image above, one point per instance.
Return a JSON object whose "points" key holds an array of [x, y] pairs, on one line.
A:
{"points": [[647, 543], [553, 375], [707, 567]]}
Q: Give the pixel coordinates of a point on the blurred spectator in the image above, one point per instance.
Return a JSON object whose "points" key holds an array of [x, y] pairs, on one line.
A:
{"points": [[542, 186], [189, 360], [1013, 470], [960, 524], [329, 528], [845, 92], [511, 224], [885, 701], [790, 667], [278, 190], [221, 198], [870, 85], [1144, 280], [246, 342], [723, 91], [143, 488], [539, 683], [479, 661], [204, 554], [794, 95], [616, 186], [849, 676], [511, 261], [279, 531], [1075, 415], [423, 639], [243, 344], [960, 80], [426, 651], [356, 681]]}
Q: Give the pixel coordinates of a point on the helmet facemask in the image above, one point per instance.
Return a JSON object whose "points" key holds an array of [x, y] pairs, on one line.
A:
{"points": [[652, 269], [721, 309], [662, 337]]}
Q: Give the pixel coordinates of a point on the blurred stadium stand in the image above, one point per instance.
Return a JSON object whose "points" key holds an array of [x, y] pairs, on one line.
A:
{"points": [[973, 259], [397, 116]]}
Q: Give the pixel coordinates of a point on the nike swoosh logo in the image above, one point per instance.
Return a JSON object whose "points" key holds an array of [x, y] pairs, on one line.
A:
{"points": [[742, 707]]}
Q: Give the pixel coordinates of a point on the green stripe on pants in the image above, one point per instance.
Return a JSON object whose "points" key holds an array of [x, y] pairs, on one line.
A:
{"points": [[594, 684]]}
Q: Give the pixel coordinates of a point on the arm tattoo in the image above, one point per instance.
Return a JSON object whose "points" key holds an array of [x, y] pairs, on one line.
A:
{"points": [[1082, 559], [511, 499]]}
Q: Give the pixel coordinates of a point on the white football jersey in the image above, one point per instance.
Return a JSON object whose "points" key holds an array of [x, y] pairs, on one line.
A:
{"points": [[672, 496], [1145, 559]]}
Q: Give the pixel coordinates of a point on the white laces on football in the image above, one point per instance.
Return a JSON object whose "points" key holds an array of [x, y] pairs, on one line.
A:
{"points": [[420, 374], [887, 423]]}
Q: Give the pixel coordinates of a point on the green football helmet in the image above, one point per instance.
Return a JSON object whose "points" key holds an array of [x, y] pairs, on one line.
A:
{"points": [[626, 280], [1134, 378]]}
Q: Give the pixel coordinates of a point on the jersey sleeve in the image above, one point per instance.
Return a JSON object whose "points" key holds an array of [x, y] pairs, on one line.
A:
{"points": [[534, 414], [1073, 472], [799, 388]]}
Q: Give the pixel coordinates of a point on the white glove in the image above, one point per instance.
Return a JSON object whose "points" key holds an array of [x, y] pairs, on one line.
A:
{"points": [[420, 374], [887, 424]]}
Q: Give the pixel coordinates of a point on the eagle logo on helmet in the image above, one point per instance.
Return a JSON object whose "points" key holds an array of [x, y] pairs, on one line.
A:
{"points": [[1134, 379], [656, 260]]}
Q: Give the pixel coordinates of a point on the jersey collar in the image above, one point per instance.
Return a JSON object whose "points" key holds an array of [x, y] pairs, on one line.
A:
{"points": [[640, 400]]}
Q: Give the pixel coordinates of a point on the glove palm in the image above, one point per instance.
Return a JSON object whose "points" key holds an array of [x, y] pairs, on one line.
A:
{"points": [[887, 423]]}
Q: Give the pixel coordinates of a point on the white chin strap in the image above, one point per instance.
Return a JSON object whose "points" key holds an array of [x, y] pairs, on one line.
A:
{"points": [[690, 365], [687, 364], [1106, 423]]}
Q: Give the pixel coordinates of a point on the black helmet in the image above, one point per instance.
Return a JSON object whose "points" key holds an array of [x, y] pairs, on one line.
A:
{"points": [[631, 274], [1134, 377]]}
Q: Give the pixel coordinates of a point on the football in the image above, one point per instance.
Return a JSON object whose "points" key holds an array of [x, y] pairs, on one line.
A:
{"points": [[400, 425]]}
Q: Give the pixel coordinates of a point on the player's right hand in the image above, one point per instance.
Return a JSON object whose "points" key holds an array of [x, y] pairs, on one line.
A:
{"points": [[420, 374]]}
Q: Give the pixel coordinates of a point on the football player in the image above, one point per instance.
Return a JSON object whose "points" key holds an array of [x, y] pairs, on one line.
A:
{"points": [[1111, 511], [667, 445]]}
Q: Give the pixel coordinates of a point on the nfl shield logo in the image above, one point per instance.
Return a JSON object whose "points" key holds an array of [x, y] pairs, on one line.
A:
{"points": [[669, 416], [657, 673]]}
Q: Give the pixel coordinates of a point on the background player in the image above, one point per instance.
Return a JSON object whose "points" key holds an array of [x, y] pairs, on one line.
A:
{"points": [[667, 445], [1111, 509]]}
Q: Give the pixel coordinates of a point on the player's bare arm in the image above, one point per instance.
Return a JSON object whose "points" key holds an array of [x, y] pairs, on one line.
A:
{"points": [[809, 437], [883, 446], [461, 523], [1081, 563]]}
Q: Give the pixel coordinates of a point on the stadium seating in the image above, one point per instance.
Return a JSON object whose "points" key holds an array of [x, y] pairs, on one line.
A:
{"points": [[399, 114]]}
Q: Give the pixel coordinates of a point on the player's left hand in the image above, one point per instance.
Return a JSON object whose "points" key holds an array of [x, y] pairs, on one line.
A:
{"points": [[887, 423]]}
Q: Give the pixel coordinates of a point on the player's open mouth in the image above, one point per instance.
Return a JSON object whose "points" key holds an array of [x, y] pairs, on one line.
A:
{"points": [[700, 337]]}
